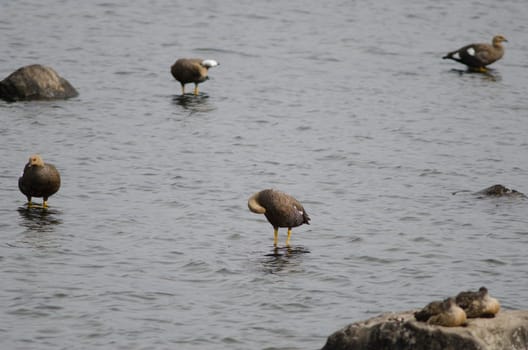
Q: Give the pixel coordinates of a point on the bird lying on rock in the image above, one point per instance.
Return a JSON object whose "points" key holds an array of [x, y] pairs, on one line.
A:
{"points": [[442, 313], [478, 304], [281, 210], [192, 70], [478, 56], [39, 179]]}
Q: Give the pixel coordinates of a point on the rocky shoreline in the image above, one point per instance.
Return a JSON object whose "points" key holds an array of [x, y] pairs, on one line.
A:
{"points": [[400, 331]]}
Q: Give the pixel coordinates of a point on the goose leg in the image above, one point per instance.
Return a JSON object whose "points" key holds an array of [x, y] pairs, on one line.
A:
{"points": [[183, 89], [196, 89], [275, 236], [289, 236]]}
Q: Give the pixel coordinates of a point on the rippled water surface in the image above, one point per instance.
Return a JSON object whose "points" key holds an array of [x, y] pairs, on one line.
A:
{"points": [[344, 104]]}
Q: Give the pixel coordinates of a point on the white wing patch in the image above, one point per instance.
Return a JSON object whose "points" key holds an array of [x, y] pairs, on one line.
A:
{"points": [[209, 63], [471, 51]]}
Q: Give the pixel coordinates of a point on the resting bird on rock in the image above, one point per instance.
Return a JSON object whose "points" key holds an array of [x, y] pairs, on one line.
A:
{"points": [[478, 304], [281, 210], [442, 313], [478, 56], [192, 70], [451, 315], [39, 180], [431, 309]]}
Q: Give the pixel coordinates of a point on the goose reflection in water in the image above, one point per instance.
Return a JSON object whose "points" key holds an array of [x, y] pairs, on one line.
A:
{"points": [[285, 259], [36, 219], [489, 75], [194, 104]]}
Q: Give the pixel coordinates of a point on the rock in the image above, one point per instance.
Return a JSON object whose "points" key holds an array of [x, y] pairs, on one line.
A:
{"points": [[495, 191], [400, 331], [499, 191], [35, 82]]}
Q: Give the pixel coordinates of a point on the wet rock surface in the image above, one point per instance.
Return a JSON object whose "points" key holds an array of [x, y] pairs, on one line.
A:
{"points": [[35, 82], [400, 331]]}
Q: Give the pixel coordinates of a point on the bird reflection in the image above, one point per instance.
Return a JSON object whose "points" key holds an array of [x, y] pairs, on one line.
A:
{"points": [[194, 103], [39, 219], [489, 74], [283, 259]]}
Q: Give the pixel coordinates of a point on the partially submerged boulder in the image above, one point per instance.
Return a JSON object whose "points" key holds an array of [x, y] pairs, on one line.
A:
{"points": [[499, 191], [400, 331], [496, 191], [35, 82]]}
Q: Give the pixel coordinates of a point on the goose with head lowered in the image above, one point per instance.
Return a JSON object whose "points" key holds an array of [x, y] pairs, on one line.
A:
{"points": [[281, 210], [192, 70]]}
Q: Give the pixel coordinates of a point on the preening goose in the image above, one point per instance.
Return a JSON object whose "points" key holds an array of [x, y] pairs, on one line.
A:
{"points": [[192, 70], [281, 210]]}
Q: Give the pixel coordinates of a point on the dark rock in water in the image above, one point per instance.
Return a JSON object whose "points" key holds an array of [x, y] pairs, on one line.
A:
{"points": [[35, 82], [400, 331], [495, 191], [499, 191]]}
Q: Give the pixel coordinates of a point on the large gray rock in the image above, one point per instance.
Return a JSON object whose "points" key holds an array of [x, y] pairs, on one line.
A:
{"points": [[508, 330], [35, 82]]}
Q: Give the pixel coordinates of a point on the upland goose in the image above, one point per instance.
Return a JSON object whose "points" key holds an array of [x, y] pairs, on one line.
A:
{"points": [[192, 70], [281, 210], [39, 179]]}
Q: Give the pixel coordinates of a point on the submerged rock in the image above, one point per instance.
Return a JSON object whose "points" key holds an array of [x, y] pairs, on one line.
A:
{"points": [[400, 331], [35, 82], [499, 191], [496, 191]]}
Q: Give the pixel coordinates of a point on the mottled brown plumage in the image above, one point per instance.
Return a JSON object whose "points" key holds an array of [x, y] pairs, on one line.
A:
{"points": [[442, 313], [451, 315], [431, 309], [478, 56], [281, 210], [192, 70], [478, 304], [39, 179]]}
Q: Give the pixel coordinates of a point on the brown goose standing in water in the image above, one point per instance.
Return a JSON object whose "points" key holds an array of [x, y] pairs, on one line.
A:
{"points": [[478, 304], [281, 210], [39, 179], [192, 70], [478, 56]]}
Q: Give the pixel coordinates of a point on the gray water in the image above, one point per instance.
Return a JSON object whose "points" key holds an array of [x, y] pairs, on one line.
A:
{"points": [[344, 104]]}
